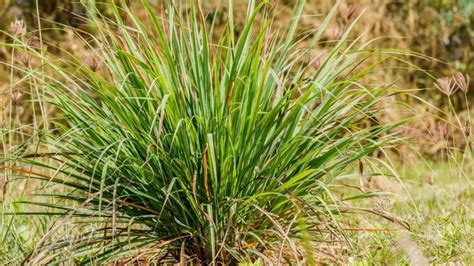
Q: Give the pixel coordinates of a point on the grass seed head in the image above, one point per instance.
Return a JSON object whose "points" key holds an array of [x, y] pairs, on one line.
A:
{"points": [[18, 28], [462, 81], [34, 42], [16, 96], [23, 58], [445, 85]]}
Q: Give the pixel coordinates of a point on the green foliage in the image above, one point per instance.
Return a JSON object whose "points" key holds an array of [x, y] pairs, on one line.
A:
{"points": [[210, 150]]}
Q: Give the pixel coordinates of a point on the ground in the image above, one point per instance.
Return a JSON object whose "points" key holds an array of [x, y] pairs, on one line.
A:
{"points": [[439, 208]]}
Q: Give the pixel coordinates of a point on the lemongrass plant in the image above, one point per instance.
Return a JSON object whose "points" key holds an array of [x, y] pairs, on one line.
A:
{"points": [[188, 147]]}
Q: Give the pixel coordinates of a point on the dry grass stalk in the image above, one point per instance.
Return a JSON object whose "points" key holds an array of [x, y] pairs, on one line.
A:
{"points": [[3, 187]]}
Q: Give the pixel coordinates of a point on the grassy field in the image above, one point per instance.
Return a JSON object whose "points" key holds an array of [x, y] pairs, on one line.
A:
{"points": [[173, 133], [439, 208]]}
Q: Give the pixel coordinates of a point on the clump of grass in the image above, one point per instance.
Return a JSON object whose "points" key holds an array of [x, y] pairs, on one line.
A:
{"points": [[175, 145]]}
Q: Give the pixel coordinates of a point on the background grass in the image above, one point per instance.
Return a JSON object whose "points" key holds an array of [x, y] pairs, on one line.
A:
{"points": [[440, 216]]}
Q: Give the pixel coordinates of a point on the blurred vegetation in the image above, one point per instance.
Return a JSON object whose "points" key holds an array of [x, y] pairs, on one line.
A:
{"points": [[442, 29]]}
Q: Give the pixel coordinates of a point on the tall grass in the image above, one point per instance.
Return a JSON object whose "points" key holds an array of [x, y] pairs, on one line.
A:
{"points": [[182, 146]]}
